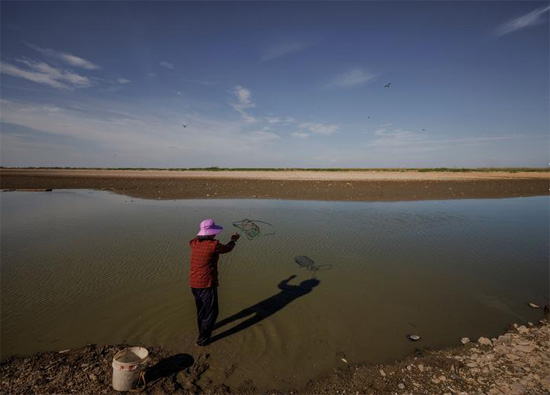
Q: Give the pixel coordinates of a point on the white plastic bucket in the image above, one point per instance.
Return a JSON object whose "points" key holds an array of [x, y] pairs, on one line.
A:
{"points": [[127, 367]]}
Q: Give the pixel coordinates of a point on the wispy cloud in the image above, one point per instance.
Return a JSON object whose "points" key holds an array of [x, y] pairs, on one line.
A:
{"points": [[262, 136], [350, 79], [123, 81], [532, 18], [149, 139], [167, 65], [201, 82], [318, 128], [399, 140], [243, 103], [42, 73], [397, 137], [279, 120], [299, 135], [280, 50], [68, 58]]}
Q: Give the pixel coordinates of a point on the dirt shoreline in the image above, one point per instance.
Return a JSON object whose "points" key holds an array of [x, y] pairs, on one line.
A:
{"points": [[292, 185], [517, 362]]}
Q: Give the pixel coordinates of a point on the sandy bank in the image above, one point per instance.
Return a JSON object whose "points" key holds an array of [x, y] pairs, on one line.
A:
{"points": [[296, 185], [290, 175]]}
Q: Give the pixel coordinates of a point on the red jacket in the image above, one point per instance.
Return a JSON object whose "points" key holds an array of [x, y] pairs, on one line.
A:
{"points": [[204, 262]]}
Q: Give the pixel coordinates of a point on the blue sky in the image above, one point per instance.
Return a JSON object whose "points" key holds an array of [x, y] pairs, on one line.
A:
{"points": [[275, 84]]}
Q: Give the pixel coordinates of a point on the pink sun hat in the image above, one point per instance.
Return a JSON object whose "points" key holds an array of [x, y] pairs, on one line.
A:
{"points": [[209, 228]]}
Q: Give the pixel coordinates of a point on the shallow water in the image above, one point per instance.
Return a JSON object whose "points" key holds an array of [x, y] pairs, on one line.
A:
{"points": [[82, 267]]}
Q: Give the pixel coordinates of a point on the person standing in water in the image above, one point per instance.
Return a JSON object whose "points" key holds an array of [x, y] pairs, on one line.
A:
{"points": [[203, 275]]}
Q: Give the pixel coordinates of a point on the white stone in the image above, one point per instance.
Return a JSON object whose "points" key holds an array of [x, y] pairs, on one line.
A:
{"points": [[401, 386], [465, 340], [524, 348], [484, 341], [507, 338], [501, 349]]}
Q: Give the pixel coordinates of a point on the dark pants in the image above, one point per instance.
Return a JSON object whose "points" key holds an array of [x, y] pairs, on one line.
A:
{"points": [[206, 300]]}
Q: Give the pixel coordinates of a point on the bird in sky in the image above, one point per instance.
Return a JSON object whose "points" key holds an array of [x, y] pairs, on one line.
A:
{"points": [[184, 125], [423, 130], [387, 85]]}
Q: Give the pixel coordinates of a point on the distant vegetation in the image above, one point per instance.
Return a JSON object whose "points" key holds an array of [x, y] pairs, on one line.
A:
{"points": [[215, 168]]}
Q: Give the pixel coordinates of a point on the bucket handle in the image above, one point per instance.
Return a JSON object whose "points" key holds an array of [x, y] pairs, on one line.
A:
{"points": [[141, 378]]}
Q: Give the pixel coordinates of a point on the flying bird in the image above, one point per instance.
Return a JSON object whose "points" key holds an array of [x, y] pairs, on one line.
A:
{"points": [[423, 130], [184, 125], [387, 85]]}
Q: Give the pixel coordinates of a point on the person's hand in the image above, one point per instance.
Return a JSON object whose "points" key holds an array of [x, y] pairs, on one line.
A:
{"points": [[235, 237]]}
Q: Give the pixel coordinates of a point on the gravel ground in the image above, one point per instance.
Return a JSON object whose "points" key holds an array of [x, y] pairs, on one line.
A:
{"points": [[517, 362]]}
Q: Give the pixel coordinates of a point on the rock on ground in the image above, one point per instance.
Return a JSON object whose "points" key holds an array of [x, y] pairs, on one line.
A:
{"points": [[517, 362]]}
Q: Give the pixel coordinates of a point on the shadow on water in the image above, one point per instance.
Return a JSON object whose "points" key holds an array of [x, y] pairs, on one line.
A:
{"points": [[266, 307], [169, 366]]}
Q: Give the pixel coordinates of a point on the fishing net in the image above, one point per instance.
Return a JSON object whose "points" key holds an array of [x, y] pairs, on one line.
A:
{"points": [[253, 229]]}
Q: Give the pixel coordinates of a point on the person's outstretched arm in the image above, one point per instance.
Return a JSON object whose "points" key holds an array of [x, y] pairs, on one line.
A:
{"points": [[225, 248]]}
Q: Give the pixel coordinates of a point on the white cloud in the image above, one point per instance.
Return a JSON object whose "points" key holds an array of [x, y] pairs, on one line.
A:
{"points": [[243, 102], [299, 135], [319, 128], [279, 120], [45, 74], [405, 140], [281, 50], [123, 81], [397, 137], [66, 57], [351, 79], [202, 82], [152, 75], [141, 138], [167, 65], [78, 62], [532, 18]]}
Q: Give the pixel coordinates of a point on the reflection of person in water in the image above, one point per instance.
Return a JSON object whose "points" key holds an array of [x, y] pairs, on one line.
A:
{"points": [[267, 307]]}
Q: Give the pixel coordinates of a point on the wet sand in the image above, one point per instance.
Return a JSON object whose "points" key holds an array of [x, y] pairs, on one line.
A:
{"points": [[295, 185]]}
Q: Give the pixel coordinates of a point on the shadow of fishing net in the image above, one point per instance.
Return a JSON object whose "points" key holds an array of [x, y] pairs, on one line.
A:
{"points": [[253, 228], [310, 265]]}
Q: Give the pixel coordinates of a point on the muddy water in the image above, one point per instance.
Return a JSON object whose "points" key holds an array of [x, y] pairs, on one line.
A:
{"points": [[82, 267]]}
